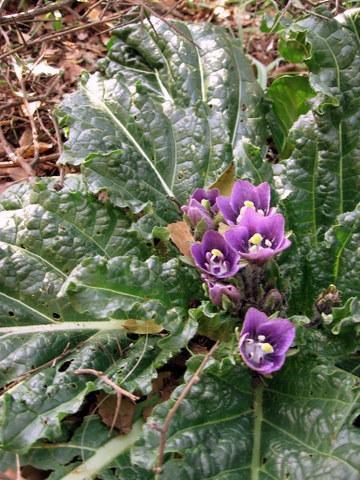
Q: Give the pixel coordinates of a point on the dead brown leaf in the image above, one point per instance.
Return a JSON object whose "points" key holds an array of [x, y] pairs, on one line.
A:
{"points": [[107, 410], [28, 151], [162, 387], [181, 236], [142, 326], [226, 181], [94, 14], [26, 138]]}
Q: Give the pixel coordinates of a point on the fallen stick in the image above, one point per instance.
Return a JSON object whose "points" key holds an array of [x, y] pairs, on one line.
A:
{"points": [[165, 427]]}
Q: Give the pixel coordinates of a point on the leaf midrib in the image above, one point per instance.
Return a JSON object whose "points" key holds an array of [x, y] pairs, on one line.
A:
{"points": [[101, 105]]}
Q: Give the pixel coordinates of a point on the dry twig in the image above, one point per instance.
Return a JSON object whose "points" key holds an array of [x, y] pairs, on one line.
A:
{"points": [[105, 379], [165, 427], [54, 35], [13, 156], [33, 12], [34, 131]]}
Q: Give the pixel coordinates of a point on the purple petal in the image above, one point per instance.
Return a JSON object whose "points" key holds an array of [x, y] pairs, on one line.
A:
{"points": [[253, 221], [252, 322], [212, 240], [228, 213], [196, 252], [271, 365], [242, 191], [217, 290], [196, 212], [264, 193], [238, 238], [274, 228], [280, 333], [201, 194]]}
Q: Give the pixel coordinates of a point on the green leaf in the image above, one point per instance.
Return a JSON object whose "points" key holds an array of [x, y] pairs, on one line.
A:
{"points": [[214, 323], [44, 234], [225, 428], [163, 120], [341, 242], [289, 96], [90, 453], [345, 318], [48, 237], [320, 180], [34, 408], [126, 288], [293, 47], [321, 174]]}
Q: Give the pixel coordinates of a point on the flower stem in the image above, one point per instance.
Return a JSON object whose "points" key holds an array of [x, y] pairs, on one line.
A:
{"points": [[258, 414]]}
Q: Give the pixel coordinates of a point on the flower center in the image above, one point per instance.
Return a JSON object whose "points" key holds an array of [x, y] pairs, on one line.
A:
{"points": [[247, 204], [257, 350], [257, 241], [205, 203], [216, 263]]}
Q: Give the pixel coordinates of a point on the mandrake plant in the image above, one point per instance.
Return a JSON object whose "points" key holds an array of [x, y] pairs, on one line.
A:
{"points": [[178, 232]]}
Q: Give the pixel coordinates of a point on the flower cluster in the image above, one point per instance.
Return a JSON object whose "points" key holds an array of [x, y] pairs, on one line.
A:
{"points": [[253, 233], [238, 234]]}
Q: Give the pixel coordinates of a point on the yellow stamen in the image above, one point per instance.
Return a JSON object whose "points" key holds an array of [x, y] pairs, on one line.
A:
{"points": [[205, 203], [249, 203], [216, 252], [256, 239], [267, 348]]}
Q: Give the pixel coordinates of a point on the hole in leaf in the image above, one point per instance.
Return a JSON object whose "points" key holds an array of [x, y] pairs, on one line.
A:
{"points": [[11, 314], [64, 366], [264, 460], [56, 315], [356, 422]]}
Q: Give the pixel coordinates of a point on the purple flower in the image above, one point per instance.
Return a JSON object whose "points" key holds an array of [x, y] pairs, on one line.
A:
{"points": [[215, 257], [217, 290], [245, 196], [207, 197], [263, 342], [258, 238], [202, 206]]}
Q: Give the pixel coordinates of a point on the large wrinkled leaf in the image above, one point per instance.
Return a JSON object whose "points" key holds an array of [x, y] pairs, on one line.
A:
{"points": [[44, 234], [322, 174], [341, 247], [289, 96], [320, 181], [126, 288], [296, 426], [47, 240], [90, 452], [34, 408], [174, 107]]}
